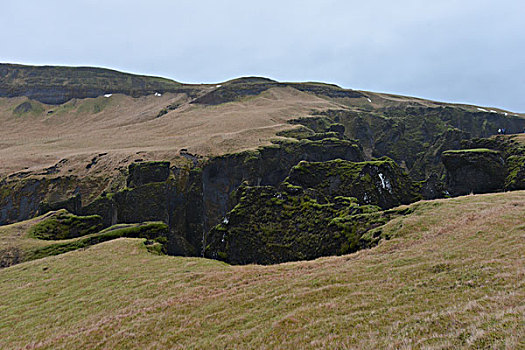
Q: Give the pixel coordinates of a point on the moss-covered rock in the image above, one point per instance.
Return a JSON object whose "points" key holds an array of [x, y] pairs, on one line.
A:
{"points": [[64, 225], [269, 226], [147, 172], [515, 179], [512, 151], [381, 182], [312, 214], [265, 166], [414, 136], [479, 170]]}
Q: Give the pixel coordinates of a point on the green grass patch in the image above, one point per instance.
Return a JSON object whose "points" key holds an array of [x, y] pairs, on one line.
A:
{"points": [[64, 225]]}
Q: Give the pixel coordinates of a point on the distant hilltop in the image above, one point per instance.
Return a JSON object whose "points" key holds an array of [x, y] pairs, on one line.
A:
{"points": [[56, 85]]}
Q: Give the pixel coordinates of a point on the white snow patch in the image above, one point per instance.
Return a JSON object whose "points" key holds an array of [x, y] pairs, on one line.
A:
{"points": [[158, 94], [481, 109], [506, 114], [218, 86], [225, 221], [493, 111], [108, 95], [369, 100]]}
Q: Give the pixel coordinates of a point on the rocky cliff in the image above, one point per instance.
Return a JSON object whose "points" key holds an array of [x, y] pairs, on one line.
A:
{"points": [[499, 166], [322, 208]]}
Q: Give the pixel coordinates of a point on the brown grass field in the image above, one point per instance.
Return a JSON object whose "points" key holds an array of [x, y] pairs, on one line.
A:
{"points": [[452, 276], [128, 129], [124, 126]]}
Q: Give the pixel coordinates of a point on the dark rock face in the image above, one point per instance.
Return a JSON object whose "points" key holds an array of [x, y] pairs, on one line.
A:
{"points": [[266, 166], [511, 151], [22, 108], [22, 199], [190, 201], [147, 172], [312, 214], [474, 171], [414, 137], [433, 188], [380, 183]]}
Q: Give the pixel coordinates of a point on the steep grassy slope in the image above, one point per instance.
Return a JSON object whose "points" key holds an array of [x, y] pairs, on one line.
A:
{"points": [[451, 276]]}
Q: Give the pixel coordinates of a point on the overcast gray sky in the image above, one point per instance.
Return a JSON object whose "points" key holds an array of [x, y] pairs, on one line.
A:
{"points": [[450, 50]]}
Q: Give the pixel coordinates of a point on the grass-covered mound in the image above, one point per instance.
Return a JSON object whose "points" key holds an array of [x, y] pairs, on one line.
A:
{"points": [[31, 239], [64, 225], [450, 277], [155, 232]]}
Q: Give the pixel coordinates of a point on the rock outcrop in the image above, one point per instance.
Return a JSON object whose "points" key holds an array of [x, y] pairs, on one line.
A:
{"points": [[479, 170], [486, 165], [322, 208]]}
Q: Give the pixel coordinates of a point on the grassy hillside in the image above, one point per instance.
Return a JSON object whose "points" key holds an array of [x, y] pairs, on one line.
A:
{"points": [[450, 276]]}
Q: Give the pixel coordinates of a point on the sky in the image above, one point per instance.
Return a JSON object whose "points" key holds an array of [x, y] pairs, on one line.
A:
{"points": [[448, 50]]}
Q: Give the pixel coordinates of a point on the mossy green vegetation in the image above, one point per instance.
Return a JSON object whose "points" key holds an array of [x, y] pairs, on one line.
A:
{"points": [[472, 150], [64, 225], [414, 137], [268, 226], [152, 231], [94, 105], [379, 182], [515, 179]]}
